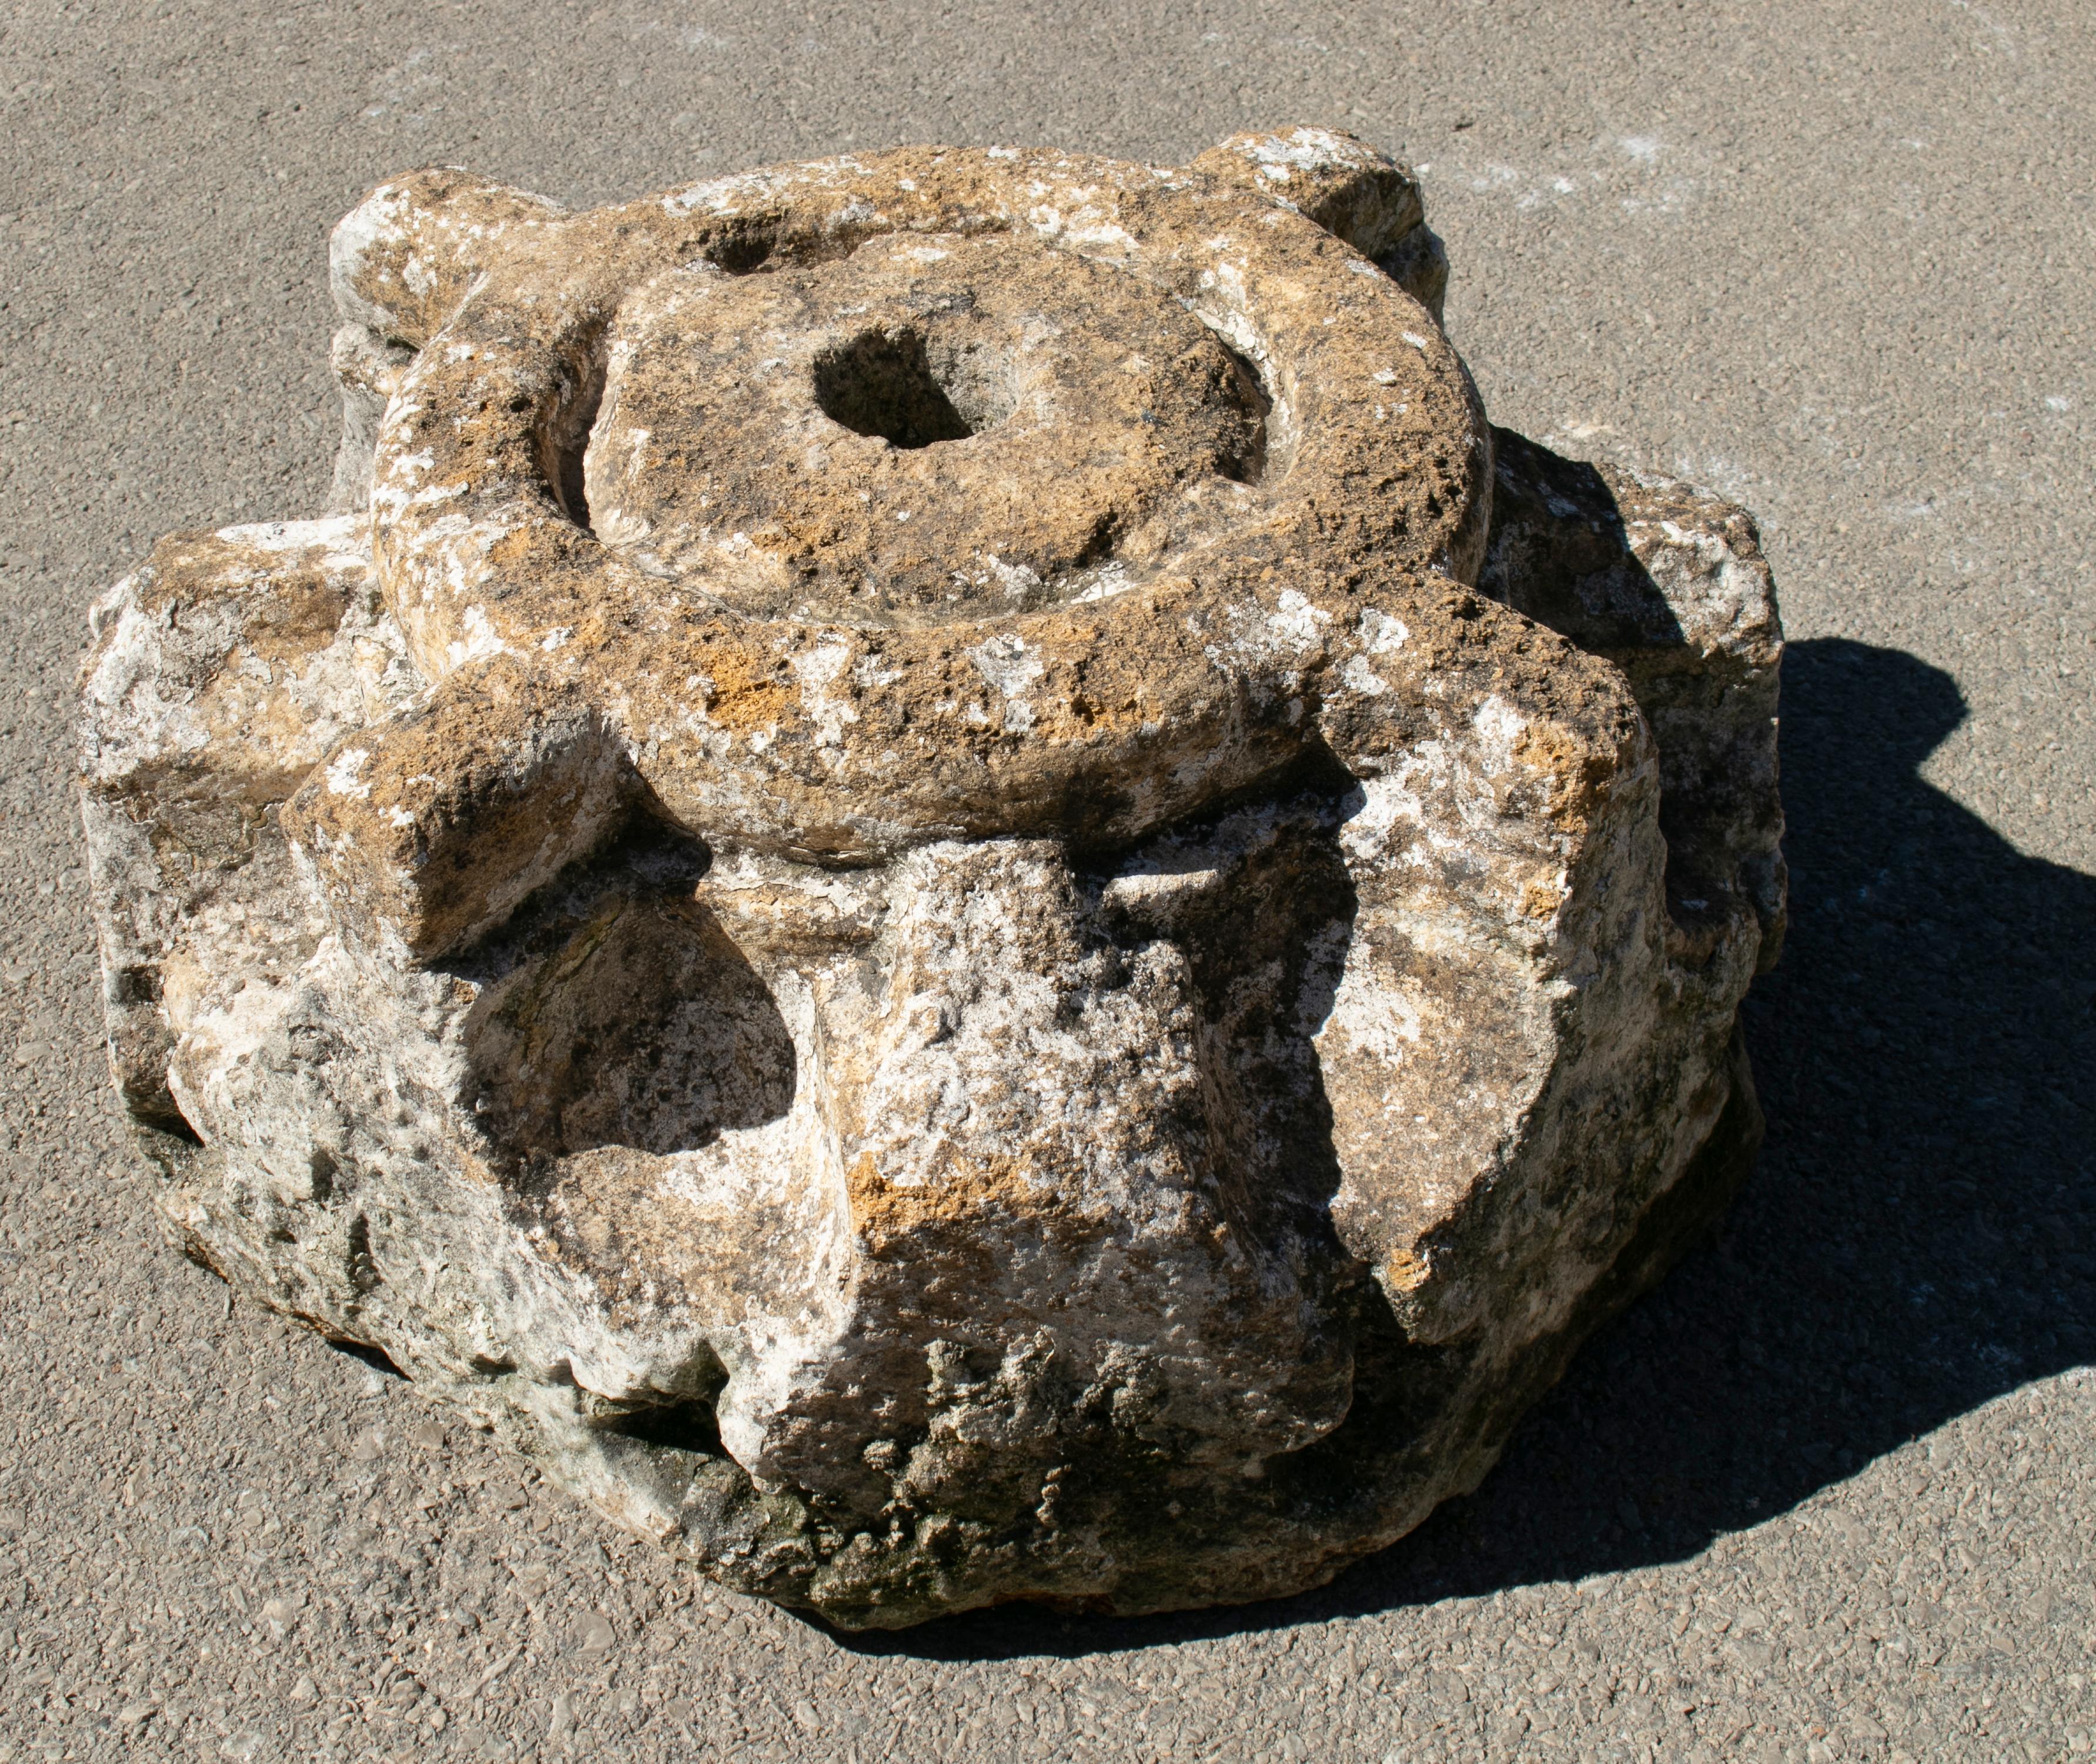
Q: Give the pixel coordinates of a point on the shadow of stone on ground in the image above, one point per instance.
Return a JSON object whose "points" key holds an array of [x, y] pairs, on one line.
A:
{"points": [[1920, 1236]]}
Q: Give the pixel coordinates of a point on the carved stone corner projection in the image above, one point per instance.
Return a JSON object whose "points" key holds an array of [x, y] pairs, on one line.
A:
{"points": [[945, 879]]}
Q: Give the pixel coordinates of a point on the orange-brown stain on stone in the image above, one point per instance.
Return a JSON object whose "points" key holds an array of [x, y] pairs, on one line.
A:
{"points": [[513, 548], [1408, 1272], [883, 1212], [746, 694], [1540, 899], [1578, 773]]}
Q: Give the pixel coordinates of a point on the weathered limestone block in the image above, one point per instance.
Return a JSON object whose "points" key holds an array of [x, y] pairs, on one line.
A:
{"points": [[1670, 586], [946, 880]]}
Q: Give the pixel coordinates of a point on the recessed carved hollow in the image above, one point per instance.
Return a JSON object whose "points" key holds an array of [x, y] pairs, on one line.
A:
{"points": [[644, 1028], [741, 251], [564, 431], [946, 880], [883, 383]]}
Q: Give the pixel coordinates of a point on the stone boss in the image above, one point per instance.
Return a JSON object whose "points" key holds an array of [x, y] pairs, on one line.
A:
{"points": [[946, 880]]}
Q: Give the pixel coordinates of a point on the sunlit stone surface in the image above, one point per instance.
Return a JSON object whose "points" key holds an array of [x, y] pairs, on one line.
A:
{"points": [[946, 880]]}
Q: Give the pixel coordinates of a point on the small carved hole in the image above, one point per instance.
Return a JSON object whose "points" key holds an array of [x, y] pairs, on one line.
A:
{"points": [[738, 253], [1246, 461], [565, 436], [890, 384], [689, 1426]]}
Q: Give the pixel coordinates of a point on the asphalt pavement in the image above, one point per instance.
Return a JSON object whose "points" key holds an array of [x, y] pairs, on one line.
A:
{"points": [[1829, 1493]]}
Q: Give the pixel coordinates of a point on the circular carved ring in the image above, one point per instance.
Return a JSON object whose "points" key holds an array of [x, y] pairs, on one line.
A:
{"points": [[928, 494]]}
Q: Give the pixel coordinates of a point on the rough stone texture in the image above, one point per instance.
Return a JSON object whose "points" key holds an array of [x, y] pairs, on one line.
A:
{"points": [[939, 884]]}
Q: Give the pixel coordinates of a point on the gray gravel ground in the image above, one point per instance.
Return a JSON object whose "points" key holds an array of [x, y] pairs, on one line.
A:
{"points": [[1829, 1494]]}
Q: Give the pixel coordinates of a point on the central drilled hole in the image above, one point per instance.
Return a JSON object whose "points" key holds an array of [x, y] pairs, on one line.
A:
{"points": [[886, 383]]}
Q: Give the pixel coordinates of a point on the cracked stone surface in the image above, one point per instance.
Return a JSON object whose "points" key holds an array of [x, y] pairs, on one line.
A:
{"points": [[944, 878]]}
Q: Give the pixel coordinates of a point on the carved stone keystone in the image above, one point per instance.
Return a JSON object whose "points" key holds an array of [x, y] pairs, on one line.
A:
{"points": [[945, 879]]}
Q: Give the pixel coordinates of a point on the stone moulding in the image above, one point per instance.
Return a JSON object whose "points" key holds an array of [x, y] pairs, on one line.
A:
{"points": [[944, 878]]}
